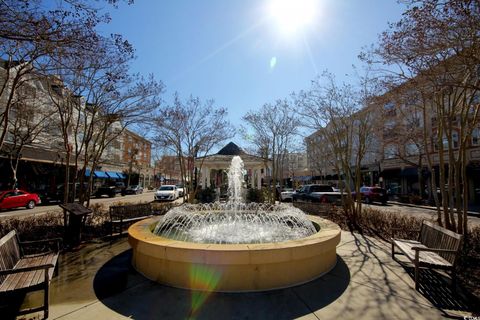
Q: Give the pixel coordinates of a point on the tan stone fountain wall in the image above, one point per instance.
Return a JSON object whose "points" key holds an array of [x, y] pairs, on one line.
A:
{"points": [[233, 267]]}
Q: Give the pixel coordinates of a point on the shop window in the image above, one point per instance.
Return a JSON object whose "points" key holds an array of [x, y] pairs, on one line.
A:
{"points": [[476, 137]]}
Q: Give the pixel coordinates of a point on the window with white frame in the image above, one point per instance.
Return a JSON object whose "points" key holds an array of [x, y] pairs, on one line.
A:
{"points": [[390, 152], [454, 141], [411, 149], [389, 124], [389, 106], [476, 98]]}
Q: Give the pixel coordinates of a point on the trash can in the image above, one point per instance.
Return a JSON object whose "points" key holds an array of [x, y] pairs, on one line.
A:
{"points": [[74, 216]]}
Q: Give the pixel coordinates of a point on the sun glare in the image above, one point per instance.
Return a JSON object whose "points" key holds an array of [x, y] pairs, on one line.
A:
{"points": [[292, 16]]}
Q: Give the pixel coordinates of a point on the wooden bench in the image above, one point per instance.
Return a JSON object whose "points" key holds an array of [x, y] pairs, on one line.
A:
{"points": [[121, 216], [20, 272], [436, 248]]}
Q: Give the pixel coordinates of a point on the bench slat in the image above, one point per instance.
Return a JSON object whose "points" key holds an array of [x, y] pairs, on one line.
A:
{"points": [[431, 237], [25, 272], [27, 279], [425, 257]]}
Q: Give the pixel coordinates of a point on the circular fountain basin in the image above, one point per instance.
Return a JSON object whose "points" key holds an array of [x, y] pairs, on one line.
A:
{"points": [[233, 267]]}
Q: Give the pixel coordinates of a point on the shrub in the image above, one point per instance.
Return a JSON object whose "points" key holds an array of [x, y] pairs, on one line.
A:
{"points": [[206, 195], [255, 195], [49, 225]]}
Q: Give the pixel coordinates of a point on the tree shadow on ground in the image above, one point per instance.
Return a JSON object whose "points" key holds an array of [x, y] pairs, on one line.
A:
{"points": [[119, 287]]}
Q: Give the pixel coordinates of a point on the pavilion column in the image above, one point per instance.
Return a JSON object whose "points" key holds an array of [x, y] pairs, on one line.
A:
{"points": [[259, 178], [207, 177], [204, 177]]}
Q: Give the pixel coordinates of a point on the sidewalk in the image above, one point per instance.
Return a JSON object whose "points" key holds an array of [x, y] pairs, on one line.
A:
{"points": [[97, 282]]}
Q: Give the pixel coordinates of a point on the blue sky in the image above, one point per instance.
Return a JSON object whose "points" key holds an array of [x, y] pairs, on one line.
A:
{"points": [[232, 51]]}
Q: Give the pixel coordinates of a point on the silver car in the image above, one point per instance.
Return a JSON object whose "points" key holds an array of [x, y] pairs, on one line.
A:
{"points": [[286, 194], [166, 193]]}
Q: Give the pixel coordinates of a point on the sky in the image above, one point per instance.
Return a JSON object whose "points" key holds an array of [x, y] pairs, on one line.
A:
{"points": [[245, 53]]}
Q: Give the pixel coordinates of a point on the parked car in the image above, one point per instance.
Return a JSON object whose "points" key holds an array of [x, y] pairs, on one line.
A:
{"points": [[110, 190], [134, 189], [373, 194], [286, 194], [18, 198], [56, 193], [317, 193], [180, 189], [166, 193]]}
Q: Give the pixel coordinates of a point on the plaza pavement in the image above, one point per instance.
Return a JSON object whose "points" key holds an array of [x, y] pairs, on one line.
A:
{"points": [[97, 282]]}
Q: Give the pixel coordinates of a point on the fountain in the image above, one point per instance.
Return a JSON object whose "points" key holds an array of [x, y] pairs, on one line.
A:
{"points": [[234, 246]]}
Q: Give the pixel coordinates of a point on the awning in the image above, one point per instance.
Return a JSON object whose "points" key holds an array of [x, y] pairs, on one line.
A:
{"points": [[101, 174], [112, 174], [87, 173], [115, 175]]}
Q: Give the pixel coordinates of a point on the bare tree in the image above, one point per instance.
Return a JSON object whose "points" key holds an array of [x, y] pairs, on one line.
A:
{"points": [[344, 122], [272, 129], [435, 46], [28, 120], [190, 129], [401, 127], [96, 100], [30, 38]]}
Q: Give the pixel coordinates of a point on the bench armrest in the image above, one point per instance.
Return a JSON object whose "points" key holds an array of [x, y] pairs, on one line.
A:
{"points": [[26, 269]]}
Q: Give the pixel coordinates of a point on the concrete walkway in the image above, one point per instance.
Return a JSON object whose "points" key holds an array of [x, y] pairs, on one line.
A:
{"points": [[97, 282]]}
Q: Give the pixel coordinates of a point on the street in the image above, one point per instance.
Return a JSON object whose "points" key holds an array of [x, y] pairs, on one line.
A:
{"points": [[146, 196]]}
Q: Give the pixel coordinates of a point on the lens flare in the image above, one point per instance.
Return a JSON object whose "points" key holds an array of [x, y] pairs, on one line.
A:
{"points": [[207, 279], [273, 62]]}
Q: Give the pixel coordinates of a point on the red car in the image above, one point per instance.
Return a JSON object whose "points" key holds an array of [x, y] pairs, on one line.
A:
{"points": [[18, 198], [373, 194]]}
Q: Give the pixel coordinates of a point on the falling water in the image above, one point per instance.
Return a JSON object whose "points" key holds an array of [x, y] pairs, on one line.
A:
{"points": [[235, 221], [235, 180]]}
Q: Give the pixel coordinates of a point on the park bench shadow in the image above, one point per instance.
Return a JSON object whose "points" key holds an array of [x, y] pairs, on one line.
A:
{"points": [[436, 287]]}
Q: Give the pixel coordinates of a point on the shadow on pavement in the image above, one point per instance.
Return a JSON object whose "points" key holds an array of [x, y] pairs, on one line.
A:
{"points": [[437, 289], [119, 287]]}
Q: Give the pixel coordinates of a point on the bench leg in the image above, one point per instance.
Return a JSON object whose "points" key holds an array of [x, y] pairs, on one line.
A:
{"points": [[393, 250], [417, 267], [454, 279], [46, 295]]}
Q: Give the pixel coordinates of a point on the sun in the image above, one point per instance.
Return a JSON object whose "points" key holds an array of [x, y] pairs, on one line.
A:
{"points": [[292, 16]]}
